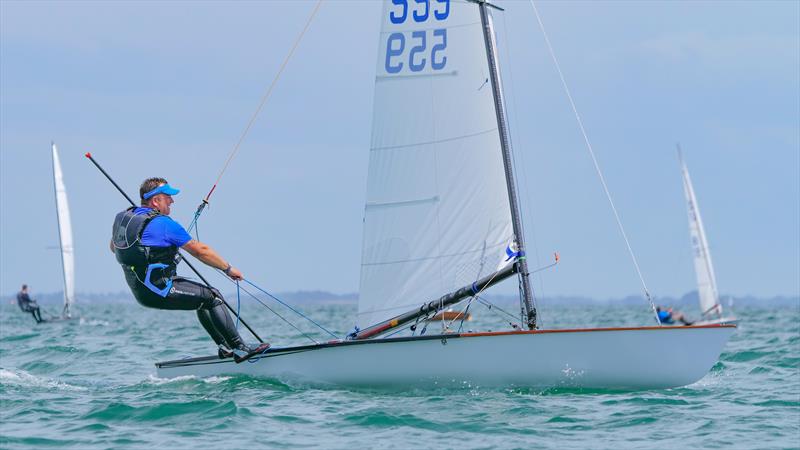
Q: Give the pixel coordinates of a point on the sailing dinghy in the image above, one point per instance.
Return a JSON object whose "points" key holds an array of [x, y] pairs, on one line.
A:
{"points": [[710, 306], [64, 238], [442, 224]]}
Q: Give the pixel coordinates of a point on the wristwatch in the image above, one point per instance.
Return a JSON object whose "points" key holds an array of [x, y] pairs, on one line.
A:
{"points": [[227, 270]]}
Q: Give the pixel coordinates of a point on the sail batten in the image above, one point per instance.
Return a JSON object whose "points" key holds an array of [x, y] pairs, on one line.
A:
{"points": [[420, 144], [437, 211]]}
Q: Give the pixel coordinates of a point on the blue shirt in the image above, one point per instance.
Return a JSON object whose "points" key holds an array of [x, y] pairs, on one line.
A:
{"points": [[163, 231], [665, 317]]}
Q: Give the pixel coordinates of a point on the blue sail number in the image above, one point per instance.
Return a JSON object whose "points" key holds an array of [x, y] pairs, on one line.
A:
{"points": [[396, 45], [439, 65], [394, 17], [422, 10], [441, 15], [424, 16], [391, 51], [416, 67]]}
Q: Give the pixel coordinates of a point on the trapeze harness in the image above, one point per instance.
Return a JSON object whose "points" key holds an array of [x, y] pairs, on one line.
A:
{"points": [[147, 268]]}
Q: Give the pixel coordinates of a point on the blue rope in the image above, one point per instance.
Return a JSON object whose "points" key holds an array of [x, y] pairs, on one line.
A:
{"points": [[272, 310], [196, 228], [294, 310], [194, 222]]}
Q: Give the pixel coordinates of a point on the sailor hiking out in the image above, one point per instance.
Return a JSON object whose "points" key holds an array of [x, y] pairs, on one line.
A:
{"points": [[669, 317], [28, 305], [145, 241]]}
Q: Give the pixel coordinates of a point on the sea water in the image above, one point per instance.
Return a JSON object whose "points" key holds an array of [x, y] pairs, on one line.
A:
{"points": [[91, 384]]}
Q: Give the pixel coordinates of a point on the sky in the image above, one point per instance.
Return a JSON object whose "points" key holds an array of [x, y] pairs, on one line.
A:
{"points": [[166, 89]]}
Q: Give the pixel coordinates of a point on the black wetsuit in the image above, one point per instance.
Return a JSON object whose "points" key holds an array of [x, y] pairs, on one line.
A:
{"points": [[26, 304], [156, 266]]}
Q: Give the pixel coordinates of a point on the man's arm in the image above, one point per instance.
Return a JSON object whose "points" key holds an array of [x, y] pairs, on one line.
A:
{"points": [[111, 246], [210, 257]]}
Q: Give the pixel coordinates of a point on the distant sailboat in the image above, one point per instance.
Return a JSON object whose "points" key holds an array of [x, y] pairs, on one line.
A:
{"points": [[441, 213], [64, 236], [710, 306]]}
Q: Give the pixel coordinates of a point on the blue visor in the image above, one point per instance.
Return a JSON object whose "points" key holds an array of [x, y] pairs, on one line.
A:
{"points": [[163, 189]]}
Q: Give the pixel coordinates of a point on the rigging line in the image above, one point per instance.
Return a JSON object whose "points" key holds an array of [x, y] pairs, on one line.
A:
{"points": [[462, 313], [594, 160], [466, 314], [470, 300], [270, 309], [265, 97], [491, 306], [294, 310]]}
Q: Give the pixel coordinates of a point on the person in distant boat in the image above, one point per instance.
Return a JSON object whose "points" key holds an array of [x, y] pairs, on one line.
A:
{"points": [[27, 304], [669, 317], [145, 241]]}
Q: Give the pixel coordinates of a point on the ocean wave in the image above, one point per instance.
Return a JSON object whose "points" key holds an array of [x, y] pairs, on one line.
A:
{"points": [[94, 322], [201, 409], [23, 378], [154, 380]]}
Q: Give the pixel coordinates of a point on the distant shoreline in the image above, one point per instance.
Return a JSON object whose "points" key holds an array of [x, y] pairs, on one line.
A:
{"points": [[323, 297]]}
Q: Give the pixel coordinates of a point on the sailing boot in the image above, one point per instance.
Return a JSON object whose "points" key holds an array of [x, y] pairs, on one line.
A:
{"points": [[224, 325]]}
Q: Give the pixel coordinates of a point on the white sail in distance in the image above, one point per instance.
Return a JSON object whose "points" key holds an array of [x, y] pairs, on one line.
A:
{"points": [[437, 212], [64, 233], [704, 270]]}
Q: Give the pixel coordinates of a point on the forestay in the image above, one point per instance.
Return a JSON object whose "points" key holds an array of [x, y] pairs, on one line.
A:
{"points": [[64, 232], [706, 283], [437, 212]]}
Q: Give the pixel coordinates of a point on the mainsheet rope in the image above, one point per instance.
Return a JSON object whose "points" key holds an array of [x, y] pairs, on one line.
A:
{"points": [[292, 309], [272, 310], [594, 160]]}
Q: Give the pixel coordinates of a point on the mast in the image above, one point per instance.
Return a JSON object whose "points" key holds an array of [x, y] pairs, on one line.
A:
{"points": [[505, 144]]}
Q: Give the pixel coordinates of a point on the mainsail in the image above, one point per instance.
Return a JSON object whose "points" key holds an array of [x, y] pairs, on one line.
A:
{"points": [[437, 212], [706, 283], [64, 234]]}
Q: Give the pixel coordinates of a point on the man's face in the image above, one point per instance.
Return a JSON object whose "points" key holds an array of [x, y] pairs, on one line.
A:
{"points": [[161, 203]]}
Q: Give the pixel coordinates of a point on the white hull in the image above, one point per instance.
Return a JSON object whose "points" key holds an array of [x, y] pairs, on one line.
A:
{"points": [[722, 320], [606, 358]]}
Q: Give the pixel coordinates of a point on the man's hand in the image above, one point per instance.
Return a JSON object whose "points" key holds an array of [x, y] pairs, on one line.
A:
{"points": [[235, 274]]}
